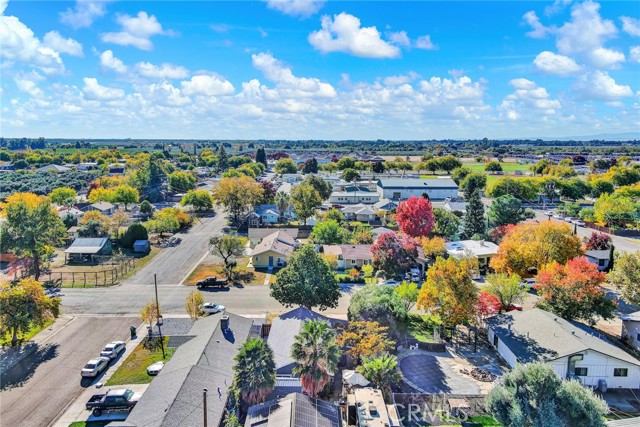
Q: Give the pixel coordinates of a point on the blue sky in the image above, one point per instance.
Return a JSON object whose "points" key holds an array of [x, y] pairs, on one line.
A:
{"points": [[301, 69]]}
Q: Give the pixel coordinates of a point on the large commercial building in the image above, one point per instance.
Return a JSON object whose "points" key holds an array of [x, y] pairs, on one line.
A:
{"points": [[403, 188]]}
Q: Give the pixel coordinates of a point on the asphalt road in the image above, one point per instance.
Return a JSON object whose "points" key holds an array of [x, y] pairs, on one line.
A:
{"points": [[39, 388]]}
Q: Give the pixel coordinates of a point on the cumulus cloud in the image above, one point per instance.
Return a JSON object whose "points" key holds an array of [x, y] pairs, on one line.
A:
{"points": [[93, 90], [343, 33], [538, 30], [83, 13], [110, 62], [164, 71], [165, 94], [631, 26], [136, 31], [399, 38], [28, 83], [634, 54], [55, 41], [208, 85], [586, 30], [552, 63], [606, 58], [297, 8], [599, 86], [424, 42], [527, 100]]}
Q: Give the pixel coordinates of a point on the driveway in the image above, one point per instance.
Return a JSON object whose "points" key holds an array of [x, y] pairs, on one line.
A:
{"points": [[39, 388], [434, 373]]}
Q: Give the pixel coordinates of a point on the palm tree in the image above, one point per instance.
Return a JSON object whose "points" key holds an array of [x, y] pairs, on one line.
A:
{"points": [[381, 371], [255, 371], [282, 203], [316, 354]]}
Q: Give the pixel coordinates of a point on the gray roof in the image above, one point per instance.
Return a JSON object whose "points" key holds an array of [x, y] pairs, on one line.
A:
{"points": [[356, 252], [56, 168], [598, 254], [174, 397], [279, 242], [102, 206], [538, 335], [414, 183], [87, 245], [261, 233], [627, 422], [294, 410]]}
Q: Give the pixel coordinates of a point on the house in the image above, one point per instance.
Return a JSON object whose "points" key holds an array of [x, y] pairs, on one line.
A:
{"points": [[385, 205], [353, 197], [403, 188], [454, 206], [285, 187], [74, 212], [54, 168], [104, 208], [479, 249], [571, 349], [141, 246], [84, 248], [359, 212], [273, 250], [257, 234], [378, 231], [294, 410], [601, 258], [283, 332], [291, 178], [203, 360], [270, 214], [370, 408], [349, 256], [631, 329]]}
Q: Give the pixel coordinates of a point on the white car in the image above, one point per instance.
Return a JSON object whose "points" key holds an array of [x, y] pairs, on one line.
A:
{"points": [[113, 349], [155, 368], [569, 219], [579, 222], [212, 308], [549, 213], [528, 283], [95, 366], [558, 216], [391, 282]]}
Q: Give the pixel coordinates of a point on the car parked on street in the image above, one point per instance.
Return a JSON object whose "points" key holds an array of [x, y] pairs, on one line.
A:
{"points": [[212, 308], [549, 213], [391, 282], [579, 222], [569, 219], [215, 282], [113, 400], [95, 366], [113, 349], [155, 368]]}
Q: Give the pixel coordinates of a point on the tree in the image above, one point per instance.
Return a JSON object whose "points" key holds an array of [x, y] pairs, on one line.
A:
{"points": [[542, 167], [350, 175], [408, 294], [23, 306], [415, 217], [261, 156], [269, 190], [117, 220], [597, 241], [346, 163], [615, 210], [392, 254], [361, 339], [222, 159], [534, 395], [321, 186], [150, 313], [474, 182], [32, 228], [328, 232], [474, 222], [63, 196], [626, 276], [181, 181], [433, 247], [529, 246], [194, 304], [125, 194], [310, 166], [146, 208], [572, 291], [164, 222], [101, 194], [135, 231], [449, 290], [447, 223], [307, 281], [449, 163], [228, 247], [600, 187], [621, 176], [254, 371], [382, 371], [380, 304], [283, 201], [305, 201], [362, 235], [316, 355], [493, 167], [285, 165], [377, 167], [333, 214], [201, 200], [505, 210], [93, 228], [506, 288], [238, 195], [459, 174], [521, 188]]}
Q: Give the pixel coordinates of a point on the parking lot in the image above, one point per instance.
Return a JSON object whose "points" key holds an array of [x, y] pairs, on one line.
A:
{"points": [[41, 386]]}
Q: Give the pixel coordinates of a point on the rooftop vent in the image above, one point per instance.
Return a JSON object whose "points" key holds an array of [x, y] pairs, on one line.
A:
{"points": [[224, 322]]}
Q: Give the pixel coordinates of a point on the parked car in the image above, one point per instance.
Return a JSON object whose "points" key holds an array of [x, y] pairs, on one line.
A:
{"points": [[212, 282], [558, 216], [549, 213], [391, 282], [155, 368], [579, 222], [569, 219], [95, 366], [113, 349], [212, 308], [528, 283], [113, 400]]}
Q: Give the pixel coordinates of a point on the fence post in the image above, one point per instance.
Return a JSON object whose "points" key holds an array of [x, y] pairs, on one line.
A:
{"points": [[96, 273], [105, 277], [73, 279]]}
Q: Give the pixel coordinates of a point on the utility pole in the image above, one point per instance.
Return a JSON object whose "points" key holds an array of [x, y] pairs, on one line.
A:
{"points": [[159, 316], [204, 405]]}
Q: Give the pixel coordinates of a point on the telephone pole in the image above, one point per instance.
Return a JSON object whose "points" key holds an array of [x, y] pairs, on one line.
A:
{"points": [[204, 405]]}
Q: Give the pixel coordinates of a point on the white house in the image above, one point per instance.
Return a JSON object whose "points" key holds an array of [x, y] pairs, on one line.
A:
{"points": [[359, 212], [479, 249], [403, 188], [353, 197], [631, 329], [571, 349], [600, 258]]}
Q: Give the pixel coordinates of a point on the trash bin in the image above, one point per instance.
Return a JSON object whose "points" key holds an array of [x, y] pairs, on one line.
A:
{"points": [[133, 331]]}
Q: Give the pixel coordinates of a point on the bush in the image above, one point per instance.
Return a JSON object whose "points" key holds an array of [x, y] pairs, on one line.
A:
{"points": [[136, 231], [529, 213], [348, 278]]}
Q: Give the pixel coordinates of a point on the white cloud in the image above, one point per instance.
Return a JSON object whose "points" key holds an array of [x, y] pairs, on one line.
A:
{"points": [[599, 86], [136, 31], [110, 62], [55, 41], [27, 83], [634, 54], [209, 85], [344, 34], [552, 63], [586, 30], [164, 93], [631, 26], [399, 38], [164, 71], [297, 8], [93, 90], [424, 42], [538, 30], [606, 58], [83, 13], [528, 101]]}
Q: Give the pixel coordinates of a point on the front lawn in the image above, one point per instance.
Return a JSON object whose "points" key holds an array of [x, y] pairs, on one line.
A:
{"points": [[6, 340], [134, 368], [420, 327], [215, 269]]}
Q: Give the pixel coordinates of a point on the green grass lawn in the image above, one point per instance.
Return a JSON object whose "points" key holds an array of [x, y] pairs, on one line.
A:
{"points": [[6, 340], [421, 328], [507, 167], [134, 368]]}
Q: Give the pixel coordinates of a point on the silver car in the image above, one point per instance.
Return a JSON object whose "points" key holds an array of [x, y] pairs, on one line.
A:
{"points": [[212, 308], [113, 349], [95, 366]]}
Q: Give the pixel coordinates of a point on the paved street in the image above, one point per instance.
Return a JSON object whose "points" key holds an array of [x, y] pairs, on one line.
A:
{"points": [[40, 387]]}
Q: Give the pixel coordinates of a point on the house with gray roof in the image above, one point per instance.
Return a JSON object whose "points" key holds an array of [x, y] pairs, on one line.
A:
{"points": [[294, 410], [273, 251], [571, 349], [601, 258], [84, 248], [403, 188]]}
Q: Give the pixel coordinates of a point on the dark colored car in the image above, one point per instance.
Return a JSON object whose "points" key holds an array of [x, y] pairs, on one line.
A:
{"points": [[113, 400], [212, 282]]}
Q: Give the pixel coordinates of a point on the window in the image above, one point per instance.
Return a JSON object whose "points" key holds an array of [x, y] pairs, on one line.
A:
{"points": [[601, 263], [620, 372], [580, 372], [638, 337], [495, 340], [353, 261], [257, 258]]}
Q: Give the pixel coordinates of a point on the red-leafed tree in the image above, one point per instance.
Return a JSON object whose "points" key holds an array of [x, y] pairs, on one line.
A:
{"points": [[415, 217], [597, 241], [393, 254], [573, 291], [498, 233], [487, 305]]}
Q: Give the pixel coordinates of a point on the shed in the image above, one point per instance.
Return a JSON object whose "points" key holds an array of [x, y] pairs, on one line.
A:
{"points": [[141, 246], [87, 247]]}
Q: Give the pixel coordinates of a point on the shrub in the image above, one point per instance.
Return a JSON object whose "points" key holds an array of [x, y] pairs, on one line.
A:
{"points": [[136, 231], [348, 278]]}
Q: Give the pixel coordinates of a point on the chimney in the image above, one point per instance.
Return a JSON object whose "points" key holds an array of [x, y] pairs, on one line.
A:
{"points": [[224, 322]]}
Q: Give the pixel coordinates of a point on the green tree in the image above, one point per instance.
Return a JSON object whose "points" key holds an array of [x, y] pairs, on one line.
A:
{"points": [[135, 231], [600, 187], [506, 288], [505, 210], [146, 207], [228, 247], [459, 174], [534, 395], [125, 194], [285, 165], [261, 156], [163, 222], [382, 371], [346, 163], [63, 196], [350, 175], [333, 214], [493, 167], [254, 371], [447, 224], [193, 304], [283, 201], [222, 159], [474, 222], [323, 188], [201, 200], [626, 276], [316, 355], [449, 163], [328, 232], [380, 304], [474, 182], [182, 181], [238, 195], [307, 281], [306, 201], [408, 294], [521, 188], [615, 210]]}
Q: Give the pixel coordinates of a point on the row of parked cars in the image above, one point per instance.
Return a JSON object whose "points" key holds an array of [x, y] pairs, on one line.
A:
{"points": [[95, 366], [569, 219]]}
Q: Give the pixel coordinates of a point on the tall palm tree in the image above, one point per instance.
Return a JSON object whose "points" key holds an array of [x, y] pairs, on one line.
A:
{"points": [[316, 354], [255, 371], [282, 203], [381, 371]]}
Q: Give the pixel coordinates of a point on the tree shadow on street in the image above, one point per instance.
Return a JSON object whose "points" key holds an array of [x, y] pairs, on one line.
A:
{"points": [[22, 371]]}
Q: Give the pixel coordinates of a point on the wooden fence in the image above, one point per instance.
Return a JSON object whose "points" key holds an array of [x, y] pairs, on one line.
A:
{"points": [[83, 279], [625, 232]]}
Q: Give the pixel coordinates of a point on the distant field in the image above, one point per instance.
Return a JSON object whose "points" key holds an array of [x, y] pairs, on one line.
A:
{"points": [[508, 167]]}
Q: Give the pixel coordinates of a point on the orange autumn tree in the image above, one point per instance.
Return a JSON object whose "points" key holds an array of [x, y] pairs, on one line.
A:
{"points": [[573, 291], [529, 246], [364, 339]]}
